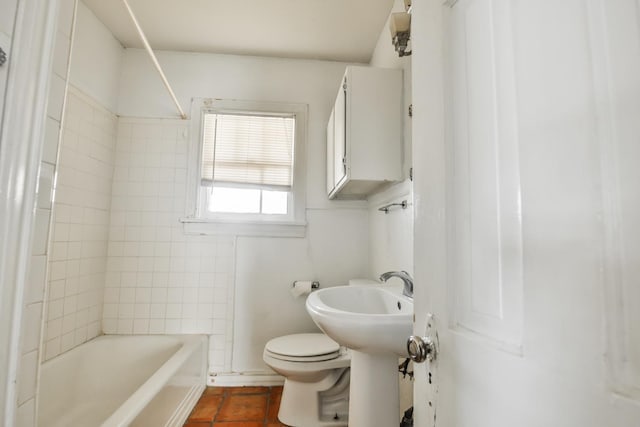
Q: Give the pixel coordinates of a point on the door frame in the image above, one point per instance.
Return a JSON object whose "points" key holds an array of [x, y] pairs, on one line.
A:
{"points": [[21, 142]]}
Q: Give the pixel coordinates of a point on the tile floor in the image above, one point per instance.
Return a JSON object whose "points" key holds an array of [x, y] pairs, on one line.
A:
{"points": [[237, 407]]}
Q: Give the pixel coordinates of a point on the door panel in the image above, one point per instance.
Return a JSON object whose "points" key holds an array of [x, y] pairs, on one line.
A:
{"points": [[486, 262]]}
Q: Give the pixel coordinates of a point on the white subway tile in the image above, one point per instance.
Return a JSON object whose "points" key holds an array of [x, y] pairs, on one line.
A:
{"points": [[36, 280], [174, 311], [126, 310], [67, 341], [45, 185], [173, 326], [127, 295], [143, 295], [110, 326], [160, 279], [32, 320], [190, 295], [56, 289], [56, 97], [156, 326], [93, 329], [158, 311], [159, 295], [205, 295], [141, 326], [40, 232], [50, 149], [61, 54], [125, 326]]}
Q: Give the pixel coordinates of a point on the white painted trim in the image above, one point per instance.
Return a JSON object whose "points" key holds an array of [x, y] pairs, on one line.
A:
{"points": [[294, 226], [244, 380], [20, 152], [194, 226]]}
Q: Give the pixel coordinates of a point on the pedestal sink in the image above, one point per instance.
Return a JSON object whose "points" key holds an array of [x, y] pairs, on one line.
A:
{"points": [[374, 323]]}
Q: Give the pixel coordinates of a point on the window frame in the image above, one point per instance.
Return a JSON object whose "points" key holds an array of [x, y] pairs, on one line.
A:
{"points": [[200, 221]]}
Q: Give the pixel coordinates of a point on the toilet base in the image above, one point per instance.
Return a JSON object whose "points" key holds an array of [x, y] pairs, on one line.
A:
{"points": [[317, 404]]}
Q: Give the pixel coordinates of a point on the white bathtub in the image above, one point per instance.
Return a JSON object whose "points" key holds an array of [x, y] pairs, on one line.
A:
{"points": [[121, 380]]}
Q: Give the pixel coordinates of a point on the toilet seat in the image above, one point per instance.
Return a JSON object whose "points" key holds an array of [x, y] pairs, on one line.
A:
{"points": [[303, 348]]}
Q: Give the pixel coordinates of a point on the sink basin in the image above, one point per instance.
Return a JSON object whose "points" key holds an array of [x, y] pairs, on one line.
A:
{"points": [[369, 319]]}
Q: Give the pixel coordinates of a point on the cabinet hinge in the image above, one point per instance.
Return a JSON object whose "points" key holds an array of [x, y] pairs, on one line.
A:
{"points": [[410, 110], [410, 174]]}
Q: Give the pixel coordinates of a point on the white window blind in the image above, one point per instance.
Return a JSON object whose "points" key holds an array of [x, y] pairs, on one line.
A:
{"points": [[252, 150]]}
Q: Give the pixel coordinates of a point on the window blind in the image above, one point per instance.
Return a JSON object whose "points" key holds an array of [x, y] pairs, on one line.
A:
{"points": [[248, 149]]}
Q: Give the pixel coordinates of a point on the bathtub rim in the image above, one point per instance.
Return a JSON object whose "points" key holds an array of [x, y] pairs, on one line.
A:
{"points": [[138, 400]]}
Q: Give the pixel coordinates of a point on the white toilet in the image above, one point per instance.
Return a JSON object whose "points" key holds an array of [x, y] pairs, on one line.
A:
{"points": [[316, 387]]}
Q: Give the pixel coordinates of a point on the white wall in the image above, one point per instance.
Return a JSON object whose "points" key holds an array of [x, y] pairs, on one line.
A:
{"points": [[391, 234], [96, 60], [385, 56], [333, 251], [336, 246]]}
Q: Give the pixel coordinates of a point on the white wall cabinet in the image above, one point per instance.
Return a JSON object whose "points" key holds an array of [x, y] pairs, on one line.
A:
{"points": [[364, 133]]}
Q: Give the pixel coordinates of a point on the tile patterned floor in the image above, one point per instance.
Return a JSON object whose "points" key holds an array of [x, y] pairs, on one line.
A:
{"points": [[237, 407]]}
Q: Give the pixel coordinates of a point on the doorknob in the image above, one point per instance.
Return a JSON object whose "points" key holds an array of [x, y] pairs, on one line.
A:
{"points": [[421, 349]]}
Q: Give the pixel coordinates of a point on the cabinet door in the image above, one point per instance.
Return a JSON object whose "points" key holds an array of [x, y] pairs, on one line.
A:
{"points": [[340, 136], [331, 161]]}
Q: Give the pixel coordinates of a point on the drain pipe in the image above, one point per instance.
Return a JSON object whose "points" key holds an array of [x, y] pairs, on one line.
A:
{"points": [[147, 46]]}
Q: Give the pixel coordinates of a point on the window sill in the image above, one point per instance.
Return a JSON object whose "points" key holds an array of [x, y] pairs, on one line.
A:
{"points": [[199, 226]]}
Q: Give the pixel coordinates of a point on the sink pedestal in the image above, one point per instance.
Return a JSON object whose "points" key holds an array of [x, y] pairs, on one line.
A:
{"points": [[374, 394]]}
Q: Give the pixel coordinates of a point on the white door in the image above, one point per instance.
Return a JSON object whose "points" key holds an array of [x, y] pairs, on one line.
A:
{"points": [[526, 137]]}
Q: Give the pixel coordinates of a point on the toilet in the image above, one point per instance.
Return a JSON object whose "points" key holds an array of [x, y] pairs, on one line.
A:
{"points": [[316, 386]]}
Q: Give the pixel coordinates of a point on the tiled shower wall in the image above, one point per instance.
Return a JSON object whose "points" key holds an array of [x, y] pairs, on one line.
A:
{"points": [[159, 280], [78, 258]]}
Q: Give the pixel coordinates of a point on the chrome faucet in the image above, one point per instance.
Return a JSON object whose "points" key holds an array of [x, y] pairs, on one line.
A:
{"points": [[406, 279]]}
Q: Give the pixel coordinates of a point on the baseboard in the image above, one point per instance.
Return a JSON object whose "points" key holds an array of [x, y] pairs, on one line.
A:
{"points": [[247, 379]]}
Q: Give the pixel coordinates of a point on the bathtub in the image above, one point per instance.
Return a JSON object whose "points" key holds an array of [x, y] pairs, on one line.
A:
{"points": [[121, 380]]}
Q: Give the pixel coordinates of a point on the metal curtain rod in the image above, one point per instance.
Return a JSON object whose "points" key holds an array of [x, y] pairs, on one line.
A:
{"points": [[154, 59]]}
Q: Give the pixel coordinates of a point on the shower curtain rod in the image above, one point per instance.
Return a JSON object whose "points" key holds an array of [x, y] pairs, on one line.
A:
{"points": [[154, 59]]}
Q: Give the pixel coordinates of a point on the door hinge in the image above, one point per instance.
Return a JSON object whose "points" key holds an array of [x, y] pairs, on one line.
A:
{"points": [[410, 174], [3, 57], [410, 110]]}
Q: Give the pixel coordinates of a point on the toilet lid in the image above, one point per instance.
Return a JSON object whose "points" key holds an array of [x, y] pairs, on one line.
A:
{"points": [[303, 347]]}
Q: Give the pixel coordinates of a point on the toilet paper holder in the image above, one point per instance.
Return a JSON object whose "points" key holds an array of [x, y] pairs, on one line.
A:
{"points": [[314, 285]]}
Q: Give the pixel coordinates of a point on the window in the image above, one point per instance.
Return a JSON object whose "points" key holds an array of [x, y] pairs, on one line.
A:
{"points": [[247, 162], [247, 165]]}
